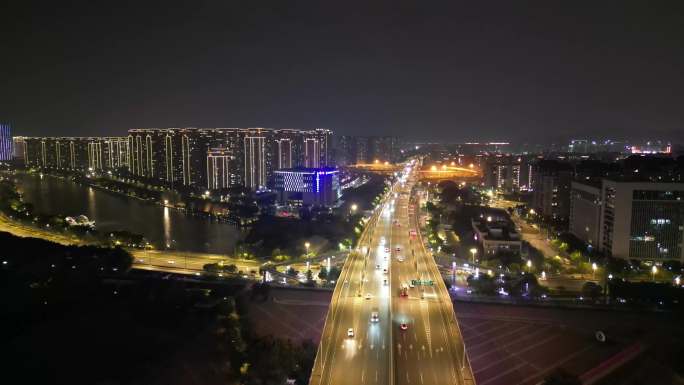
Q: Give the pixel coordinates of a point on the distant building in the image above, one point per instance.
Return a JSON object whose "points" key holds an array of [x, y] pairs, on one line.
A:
{"points": [[551, 189], [585, 212], [178, 156], [185, 157], [591, 146], [19, 150], [255, 162], [73, 153], [316, 186], [367, 149], [505, 172], [474, 148], [5, 142]]}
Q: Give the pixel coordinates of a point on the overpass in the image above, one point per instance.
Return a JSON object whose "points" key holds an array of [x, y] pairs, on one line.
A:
{"points": [[376, 167], [446, 172], [383, 326]]}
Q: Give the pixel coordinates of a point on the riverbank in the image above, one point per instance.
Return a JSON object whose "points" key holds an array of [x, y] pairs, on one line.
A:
{"points": [[49, 199], [160, 260]]}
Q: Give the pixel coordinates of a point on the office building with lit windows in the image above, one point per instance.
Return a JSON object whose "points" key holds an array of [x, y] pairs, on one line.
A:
{"points": [[642, 220], [313, 186]]}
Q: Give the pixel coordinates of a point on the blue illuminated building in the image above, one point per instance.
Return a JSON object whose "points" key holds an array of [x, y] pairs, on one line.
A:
{"points": [[5, 142], [313, 186]]}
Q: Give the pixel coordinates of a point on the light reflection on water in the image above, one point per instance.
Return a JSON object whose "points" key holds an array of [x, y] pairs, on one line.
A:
{"points": [[160, 225]]}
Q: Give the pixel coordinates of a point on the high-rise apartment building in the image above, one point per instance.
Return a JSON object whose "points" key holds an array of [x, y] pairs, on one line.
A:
{"points": [[184, 157], [219, 173], [19, 150], [366, 149], [551, 189], [585, 212], [508, 173], [255, 162], [73, 153], [5, 142]]}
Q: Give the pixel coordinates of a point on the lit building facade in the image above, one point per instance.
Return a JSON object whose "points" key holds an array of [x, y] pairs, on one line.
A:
{"points": [[551, 189], [316, 186], [219, 175], [255, 161], [5, 142], [73, 153], [642, 220], [184, 157]]}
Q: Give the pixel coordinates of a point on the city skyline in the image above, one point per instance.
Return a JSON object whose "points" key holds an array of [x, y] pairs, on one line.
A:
{"points": [[342, 193]]}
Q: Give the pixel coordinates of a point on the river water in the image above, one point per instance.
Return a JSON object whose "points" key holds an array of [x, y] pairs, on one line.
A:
{"points": [[162, 226]]}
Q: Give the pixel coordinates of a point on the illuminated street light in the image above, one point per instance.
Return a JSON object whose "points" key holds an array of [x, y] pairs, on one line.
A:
{"points": [[473, 251], [354, 207], [677, 281], [529, 264], [654, 270], [433, 168], [593, 269], [307, 245]]}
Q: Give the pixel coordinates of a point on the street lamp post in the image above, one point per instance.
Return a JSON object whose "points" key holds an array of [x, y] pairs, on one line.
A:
{"points": [[307, 245], [473, 251], [654, 270], [593, 270]]}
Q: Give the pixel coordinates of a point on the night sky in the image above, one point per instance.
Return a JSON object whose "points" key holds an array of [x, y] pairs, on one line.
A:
{"points": [[472, 70]]}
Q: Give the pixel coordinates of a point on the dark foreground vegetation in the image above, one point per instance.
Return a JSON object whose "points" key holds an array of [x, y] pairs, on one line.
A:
{"points": [[78, 315]]}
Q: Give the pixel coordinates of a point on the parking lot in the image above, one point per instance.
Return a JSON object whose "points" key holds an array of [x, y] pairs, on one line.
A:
{"points": [[293, 314], [509, 345]]}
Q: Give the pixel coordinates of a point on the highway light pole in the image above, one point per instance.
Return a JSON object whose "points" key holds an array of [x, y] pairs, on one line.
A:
{"points": [[473, 251]]}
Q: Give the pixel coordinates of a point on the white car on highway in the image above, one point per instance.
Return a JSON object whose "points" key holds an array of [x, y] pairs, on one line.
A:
{"points": [[375, 317]]}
